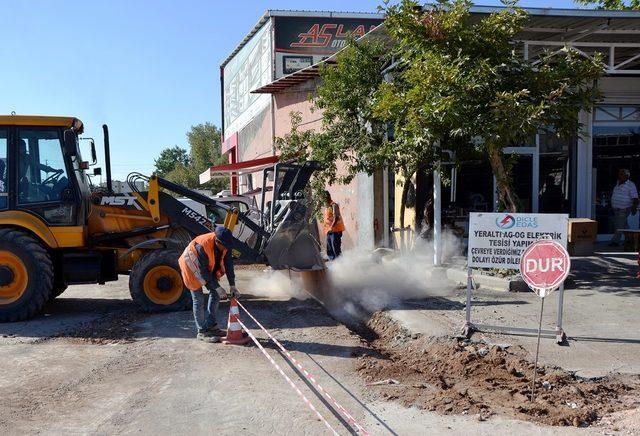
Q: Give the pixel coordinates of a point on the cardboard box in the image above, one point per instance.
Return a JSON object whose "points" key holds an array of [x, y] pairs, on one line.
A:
{"points": [[582, 230], [580, 248]]}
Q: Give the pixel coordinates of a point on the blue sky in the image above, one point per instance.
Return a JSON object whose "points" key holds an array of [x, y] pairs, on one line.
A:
{"points": [[147, 68]]}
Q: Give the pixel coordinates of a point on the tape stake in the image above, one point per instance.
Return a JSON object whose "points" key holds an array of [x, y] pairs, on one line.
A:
{"points": [[309, 377], [291, 383]]}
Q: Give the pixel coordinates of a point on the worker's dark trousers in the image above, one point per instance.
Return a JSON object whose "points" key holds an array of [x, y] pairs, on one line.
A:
{"points": [[334, 245]]}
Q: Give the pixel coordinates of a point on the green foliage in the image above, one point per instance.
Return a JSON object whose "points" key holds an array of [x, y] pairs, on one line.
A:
{"points": [[349, 131], [612, 4], [350, 134], [204, 151], [463, 84], [170, 158]]}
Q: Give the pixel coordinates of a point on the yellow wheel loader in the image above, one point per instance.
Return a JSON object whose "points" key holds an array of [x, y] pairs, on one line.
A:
{"points": [[56, 229]]}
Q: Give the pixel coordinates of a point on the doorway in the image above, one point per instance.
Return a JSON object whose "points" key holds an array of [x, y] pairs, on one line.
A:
{"points": [[542, 176], [525, 178], [616, 145]]}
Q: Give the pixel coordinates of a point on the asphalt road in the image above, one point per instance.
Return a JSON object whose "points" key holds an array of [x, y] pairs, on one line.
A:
{"points": [[93, 365]]}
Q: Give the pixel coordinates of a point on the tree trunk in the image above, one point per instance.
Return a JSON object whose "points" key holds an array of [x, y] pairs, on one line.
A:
{"points": [[505, 193], [403, 199]]}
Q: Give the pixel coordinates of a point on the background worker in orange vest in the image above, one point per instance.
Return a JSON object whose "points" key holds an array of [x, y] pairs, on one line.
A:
{"points": [[205, 260], [333, 227]]}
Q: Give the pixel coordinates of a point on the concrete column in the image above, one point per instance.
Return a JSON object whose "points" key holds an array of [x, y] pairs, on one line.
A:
{"points": [[437, 216], [365, 212]]}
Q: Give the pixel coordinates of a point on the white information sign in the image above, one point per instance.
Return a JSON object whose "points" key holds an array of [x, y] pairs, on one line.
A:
{"points": [[498, 240]]}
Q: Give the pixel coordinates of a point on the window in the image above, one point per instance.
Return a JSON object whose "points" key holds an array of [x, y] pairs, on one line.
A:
{"points": [[217, 214], [616, 146], [3, 169], [241, 206], [42, 173], [617, 113]]}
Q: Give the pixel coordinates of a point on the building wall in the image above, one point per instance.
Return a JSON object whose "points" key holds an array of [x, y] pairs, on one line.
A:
{"points": [[285, 43], [296, 100], [620, 90], [254, 139], [249, 69], [614, 91]]}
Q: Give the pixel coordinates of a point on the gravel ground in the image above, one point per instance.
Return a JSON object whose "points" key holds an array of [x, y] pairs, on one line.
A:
{"points": [[94, 365], [455, 376]]}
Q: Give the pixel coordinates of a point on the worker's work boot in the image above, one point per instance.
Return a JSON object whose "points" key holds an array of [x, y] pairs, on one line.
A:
{"points": [[217, 332], [207, 337]]}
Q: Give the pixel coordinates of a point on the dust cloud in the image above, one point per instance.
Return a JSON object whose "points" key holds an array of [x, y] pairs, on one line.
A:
{"points": [[360, 283], [277, 284]]}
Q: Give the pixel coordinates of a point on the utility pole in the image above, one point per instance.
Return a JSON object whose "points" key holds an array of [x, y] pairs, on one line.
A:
{"points": [[437, 209]]}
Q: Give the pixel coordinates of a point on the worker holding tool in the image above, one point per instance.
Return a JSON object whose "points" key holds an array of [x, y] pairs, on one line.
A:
{"points": [[205, 260], [333, 227]]}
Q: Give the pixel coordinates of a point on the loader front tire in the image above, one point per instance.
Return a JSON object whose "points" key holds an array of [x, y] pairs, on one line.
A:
{"points": [[57, 290], [26, 275], [155, 283]]}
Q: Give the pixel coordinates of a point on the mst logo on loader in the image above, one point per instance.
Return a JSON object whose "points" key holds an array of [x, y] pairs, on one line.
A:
{"points": [[122, 200]]}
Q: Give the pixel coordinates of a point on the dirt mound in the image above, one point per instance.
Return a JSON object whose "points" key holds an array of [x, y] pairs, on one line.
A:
{"points": [[114, 328], [454, 376]]}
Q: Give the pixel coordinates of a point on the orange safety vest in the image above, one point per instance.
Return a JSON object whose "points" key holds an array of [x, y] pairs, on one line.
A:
{"points": [[328, 219], [190, 267]]}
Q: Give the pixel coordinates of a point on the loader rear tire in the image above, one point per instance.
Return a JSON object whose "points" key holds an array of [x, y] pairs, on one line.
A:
{"points": [[26, 275], [155, 283]]}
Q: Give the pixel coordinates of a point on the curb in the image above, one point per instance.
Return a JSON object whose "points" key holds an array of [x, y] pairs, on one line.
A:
{"points": [[483, 281], [504, 284]]}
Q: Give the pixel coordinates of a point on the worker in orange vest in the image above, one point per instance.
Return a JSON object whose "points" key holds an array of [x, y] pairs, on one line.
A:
{"points": [[205, 260], [333, 227]]}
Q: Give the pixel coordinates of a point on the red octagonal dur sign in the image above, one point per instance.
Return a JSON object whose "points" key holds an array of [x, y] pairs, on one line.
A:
{"points": [[544, 266]]}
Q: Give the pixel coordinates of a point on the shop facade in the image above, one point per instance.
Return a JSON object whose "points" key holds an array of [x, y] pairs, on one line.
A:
{"points": [[576, 175], [274, 72], [264, 80]]}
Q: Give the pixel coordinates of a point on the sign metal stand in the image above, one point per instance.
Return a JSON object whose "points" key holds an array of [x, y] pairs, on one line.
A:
{"points": [[535, 365], [470, 326]]}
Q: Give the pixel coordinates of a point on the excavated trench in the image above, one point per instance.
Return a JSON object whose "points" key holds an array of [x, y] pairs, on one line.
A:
{"points": [[455, 376]]}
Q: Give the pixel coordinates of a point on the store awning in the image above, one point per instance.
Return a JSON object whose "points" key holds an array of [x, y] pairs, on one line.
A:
{"points": [[256, 191], [238, 168], [292, 79]]}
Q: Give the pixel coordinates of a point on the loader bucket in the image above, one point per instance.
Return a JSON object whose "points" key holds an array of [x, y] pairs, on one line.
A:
{"points": [[294, 244]]}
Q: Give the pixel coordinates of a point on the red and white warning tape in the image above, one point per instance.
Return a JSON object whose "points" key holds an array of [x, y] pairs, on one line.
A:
{"points": [[309, 376], [291, 383]]}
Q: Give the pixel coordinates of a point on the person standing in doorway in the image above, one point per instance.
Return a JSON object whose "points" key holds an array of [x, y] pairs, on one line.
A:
{"points": [[624, 201], [333, 227]]}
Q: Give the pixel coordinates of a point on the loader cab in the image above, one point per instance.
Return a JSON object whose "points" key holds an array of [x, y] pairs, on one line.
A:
{"points": [[41, 169]]}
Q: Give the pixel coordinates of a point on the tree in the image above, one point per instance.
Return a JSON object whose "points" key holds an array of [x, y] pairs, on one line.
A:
{"points": [[612, 4], [464, 85], [349, 131], [204, 142], [178, 166], [457, 84], [169, 158]]}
